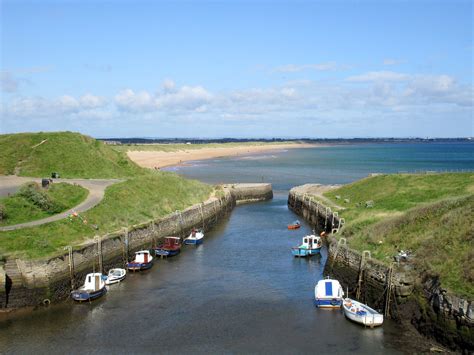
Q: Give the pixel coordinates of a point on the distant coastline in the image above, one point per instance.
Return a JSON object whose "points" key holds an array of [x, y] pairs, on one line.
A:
{"points": [[155, 159]]}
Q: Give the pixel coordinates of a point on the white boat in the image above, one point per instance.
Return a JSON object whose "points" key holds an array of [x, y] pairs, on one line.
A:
{"points": [[328, 293], [115, 276], [93, 288], [311, 245], [196, 237], [361, 313]]}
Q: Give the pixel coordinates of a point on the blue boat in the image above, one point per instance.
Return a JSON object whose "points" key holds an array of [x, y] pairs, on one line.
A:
{"points": [[143, 261], [328, 293], [311, 245], [93, 288], [170, 247], [195, 238]]}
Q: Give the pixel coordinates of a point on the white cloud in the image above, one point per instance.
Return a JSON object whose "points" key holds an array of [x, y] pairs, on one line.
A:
{"points": [[293, 68], [379, 76], [170, 98], [8, 82], [391, 61]]}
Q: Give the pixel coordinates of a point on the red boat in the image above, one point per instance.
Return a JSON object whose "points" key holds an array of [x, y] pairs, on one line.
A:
{"points": [[294, 225], [171, 246]]}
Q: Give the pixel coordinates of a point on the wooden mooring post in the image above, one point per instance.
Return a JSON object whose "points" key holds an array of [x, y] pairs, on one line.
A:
{"points": [[363, 260], [389, 291], [71, 265], [99, 252]]}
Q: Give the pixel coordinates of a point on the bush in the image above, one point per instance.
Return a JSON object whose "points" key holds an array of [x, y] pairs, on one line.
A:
{"points": [[3, 212], [33, 193]]}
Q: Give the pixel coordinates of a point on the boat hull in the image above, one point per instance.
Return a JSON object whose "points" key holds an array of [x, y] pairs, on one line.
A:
{"points": [[111, 281], [362, 314], [193, 241], [328, 303], [166, 252], [84, 295], [300, 252], [133, 266], [293, 226]]}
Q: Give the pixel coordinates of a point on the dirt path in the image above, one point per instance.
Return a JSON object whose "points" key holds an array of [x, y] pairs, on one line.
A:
{"points": [[96, 187]]}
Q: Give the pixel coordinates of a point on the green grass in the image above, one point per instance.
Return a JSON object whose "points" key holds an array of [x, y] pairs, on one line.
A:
{"points": [[137, 200], [70, 154], [182, 146], [431, 215], [19, 209]]}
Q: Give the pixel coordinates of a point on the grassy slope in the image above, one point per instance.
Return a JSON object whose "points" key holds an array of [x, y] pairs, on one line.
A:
{"points": [[151, 195], [70, 154], [428, 214], [21, 210], [177, 147]]}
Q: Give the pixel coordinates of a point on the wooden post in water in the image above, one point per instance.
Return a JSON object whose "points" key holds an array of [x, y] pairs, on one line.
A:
{"points": [[202, 216], [71, 265], [99, 252]]}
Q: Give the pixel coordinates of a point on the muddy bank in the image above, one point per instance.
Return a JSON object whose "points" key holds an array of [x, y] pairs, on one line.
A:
{"points": [[397, 290], [25, 283]]}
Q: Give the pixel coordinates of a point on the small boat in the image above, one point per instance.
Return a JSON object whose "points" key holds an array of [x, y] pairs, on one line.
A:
{"points": [[311, 245], [115, 275], [143, 261], [295, 225], [195, 238], [170, 247], [361, 313], [328, 293], [93, 288]]}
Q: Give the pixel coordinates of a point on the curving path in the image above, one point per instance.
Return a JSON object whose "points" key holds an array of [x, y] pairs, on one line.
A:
{"points": [[10, 184]]}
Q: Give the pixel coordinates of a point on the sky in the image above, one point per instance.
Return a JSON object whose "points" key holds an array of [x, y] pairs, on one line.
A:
{"points": [[317, 69]]}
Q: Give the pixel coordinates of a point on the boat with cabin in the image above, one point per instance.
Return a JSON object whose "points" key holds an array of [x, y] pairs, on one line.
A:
{"points": [[93, 288], [361, 313], [143, 261], [328, 293], [170, 247], [311, 245], [295, 225], [115, 276], [195, 238]]}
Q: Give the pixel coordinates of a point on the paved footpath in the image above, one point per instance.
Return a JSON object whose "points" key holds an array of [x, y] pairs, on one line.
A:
{"points": [[10, 184]]}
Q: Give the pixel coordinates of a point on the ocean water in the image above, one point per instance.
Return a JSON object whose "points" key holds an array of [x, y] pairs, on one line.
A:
{"points": [[332, 165], [241, 291]]}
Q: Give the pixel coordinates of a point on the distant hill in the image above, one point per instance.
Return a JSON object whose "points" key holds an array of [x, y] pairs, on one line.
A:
{"points": [[72, 155]]}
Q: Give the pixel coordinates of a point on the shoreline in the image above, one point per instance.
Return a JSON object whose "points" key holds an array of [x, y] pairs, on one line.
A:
{"points": [[161, 159]]}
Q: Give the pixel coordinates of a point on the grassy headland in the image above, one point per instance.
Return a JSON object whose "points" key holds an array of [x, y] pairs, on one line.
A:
{"points": [[143, 196], [31, 203], [430, 215], [72, 155]]}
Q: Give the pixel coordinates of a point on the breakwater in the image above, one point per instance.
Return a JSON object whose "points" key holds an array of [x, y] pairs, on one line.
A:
{"points": [[396, 289], [35, 282]]}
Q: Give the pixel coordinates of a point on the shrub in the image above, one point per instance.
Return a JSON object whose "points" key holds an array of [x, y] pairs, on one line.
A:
{"points": [[33, 193], [3, 212]]}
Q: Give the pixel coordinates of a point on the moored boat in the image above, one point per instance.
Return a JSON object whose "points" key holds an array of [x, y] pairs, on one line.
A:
{"points": [[195, 238], [310, 245], [361, 313], [93, 288], [115, 275], [295, 225], [143, 261], [328, 293], [170, 247]]}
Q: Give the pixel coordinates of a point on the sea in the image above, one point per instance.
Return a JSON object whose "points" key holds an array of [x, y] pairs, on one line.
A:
{"points": [[241, 291]]}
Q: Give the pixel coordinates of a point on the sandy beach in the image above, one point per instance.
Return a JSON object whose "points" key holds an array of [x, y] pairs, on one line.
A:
{"points": [[161, 159]]}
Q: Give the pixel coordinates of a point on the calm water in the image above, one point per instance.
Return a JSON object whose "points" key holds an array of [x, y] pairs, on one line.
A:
{"points": [[241, 291], [333, 165]]}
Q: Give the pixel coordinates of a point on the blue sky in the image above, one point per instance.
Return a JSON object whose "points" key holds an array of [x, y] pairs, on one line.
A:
{"points": [[238, 68]]}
